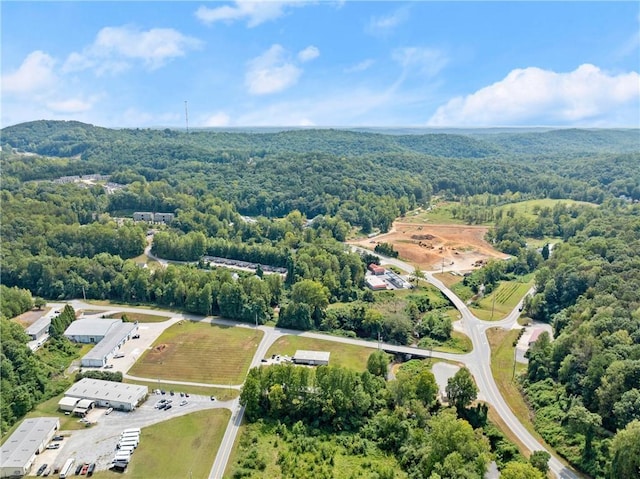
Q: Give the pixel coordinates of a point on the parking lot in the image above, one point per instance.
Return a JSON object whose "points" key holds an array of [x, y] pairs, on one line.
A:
{"points": [[97, 443]]}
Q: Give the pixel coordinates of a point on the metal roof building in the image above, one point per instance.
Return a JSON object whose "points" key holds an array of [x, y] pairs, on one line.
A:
{"points": [[89, 330], [123, 396], [19, 451], [314, 358], [118, 333], [39, 328]]}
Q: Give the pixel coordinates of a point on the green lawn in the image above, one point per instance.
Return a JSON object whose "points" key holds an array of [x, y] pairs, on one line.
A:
{"points": [[439, 214], [527, 208], [184, 447], [343, 355], [141, 317], [459, 343], [223, 394], [200, 352], [501, 301]]}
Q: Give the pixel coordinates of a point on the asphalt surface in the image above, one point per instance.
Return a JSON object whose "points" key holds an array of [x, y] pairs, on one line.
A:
{"points": [[478, 362]]}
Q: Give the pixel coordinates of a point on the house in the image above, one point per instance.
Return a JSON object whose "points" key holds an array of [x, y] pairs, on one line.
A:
{"points": [[19, 451], [87, 392], [376, 269], [312, 358]]}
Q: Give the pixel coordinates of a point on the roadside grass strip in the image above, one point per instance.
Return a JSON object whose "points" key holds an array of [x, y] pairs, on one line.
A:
{"points": [[501, 301], [199, 352]]}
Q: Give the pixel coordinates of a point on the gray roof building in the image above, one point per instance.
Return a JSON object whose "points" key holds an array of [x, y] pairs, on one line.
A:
{"points": [[315, 358], [109, 393], [90, 327], [116, 335], [19, 451]]}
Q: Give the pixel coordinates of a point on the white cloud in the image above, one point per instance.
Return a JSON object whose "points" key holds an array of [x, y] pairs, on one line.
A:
{"points": [[271, 72], [533, 96], [217, 119], [360, 67], [385, 24], [309, 53], [35, 74], [425, 61], [254, 11], [116, 48], [72, 105]]}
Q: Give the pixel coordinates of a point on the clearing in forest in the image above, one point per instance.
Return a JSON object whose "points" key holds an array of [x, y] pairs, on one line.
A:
{"points": [[435, 247]]}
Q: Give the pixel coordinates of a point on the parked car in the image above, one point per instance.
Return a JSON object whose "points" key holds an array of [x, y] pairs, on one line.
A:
{"points": [[108, 366], [41, 469], [186, 395], [135, 336], [171, 392], [92, 467], [184, 402], [181, 394], [78, 469], [118, 355], [162, 391], [85, 468], [213, 398], [58, 438], [168, 406], [53, 446], [109, 411]]}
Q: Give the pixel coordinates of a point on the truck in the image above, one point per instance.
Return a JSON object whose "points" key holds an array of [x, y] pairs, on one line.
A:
{"points": [[67, 469]]}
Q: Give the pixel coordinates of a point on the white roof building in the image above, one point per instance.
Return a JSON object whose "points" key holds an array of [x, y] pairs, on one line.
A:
{"points": [[121, 396], [314, 358], [89, 330], [108, 333], [30, 438]]}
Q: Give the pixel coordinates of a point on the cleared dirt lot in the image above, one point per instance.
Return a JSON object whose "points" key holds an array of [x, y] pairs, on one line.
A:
{"points": [[427, 245]]}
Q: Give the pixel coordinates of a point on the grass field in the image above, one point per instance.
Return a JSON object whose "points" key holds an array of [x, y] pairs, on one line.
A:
{"points": [[449, 279], [501, 301], [527, 208], [222, 394], [502, 368], [438, 214], [141, 317], [200, 352], [459, 343], [343, 355], [184, 447]]}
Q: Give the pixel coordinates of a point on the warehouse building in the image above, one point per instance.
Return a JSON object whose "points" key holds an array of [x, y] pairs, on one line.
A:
{"points": [[121, 396], [312, 358], [109, 334], [30, 438], [39, 328]]}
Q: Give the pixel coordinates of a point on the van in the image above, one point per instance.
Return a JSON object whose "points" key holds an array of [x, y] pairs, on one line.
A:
{"points": [[132, 429], [133, 444], [128, 449], [130, 435]]}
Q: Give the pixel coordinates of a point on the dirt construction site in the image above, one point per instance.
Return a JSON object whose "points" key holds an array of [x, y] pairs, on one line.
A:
{"points": [[432, 247]]}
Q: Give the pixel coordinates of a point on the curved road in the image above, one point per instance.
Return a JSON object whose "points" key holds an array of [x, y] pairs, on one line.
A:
{"points": [[478, 362]]}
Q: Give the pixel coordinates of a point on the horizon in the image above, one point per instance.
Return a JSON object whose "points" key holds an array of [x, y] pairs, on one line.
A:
{"points": [[297, 64]]}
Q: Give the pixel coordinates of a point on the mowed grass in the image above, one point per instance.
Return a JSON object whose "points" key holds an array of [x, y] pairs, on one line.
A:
{"points": [[342, 355], [438, 214], [527, 208], [222, 394], [501, 301], [448, 279], [182, 447], [200, 352], [502, 367], [141, 317]]}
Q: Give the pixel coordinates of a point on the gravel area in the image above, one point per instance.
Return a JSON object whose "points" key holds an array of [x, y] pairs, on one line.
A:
{"points": [[442, 372]]}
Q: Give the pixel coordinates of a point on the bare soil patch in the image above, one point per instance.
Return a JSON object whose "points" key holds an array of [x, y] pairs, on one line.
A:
{"points": [[429, 246]]}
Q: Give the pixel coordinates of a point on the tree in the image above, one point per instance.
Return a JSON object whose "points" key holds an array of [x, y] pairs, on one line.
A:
{"points": [[426, 387], [581, 420], [461, 389], [625, 452], [540, 460], [378, 363], [39, 302], [520, 470]]}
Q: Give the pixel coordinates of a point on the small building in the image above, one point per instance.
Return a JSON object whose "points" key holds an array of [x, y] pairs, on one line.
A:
{"points": [[122, 396], [395, 280], [376, 269], [39, 328], [165, 218], [375, 283], [19, 451], [312, 358], [143, 216]]}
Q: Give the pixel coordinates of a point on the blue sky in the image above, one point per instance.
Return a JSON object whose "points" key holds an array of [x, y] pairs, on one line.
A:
{"points": [[322, 63]]}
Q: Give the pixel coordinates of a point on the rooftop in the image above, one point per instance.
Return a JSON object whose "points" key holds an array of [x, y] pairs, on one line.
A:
{"points": [[98, 389], [25, 440], [302, 355], [110, 341], [90, 327], [39, 325]]}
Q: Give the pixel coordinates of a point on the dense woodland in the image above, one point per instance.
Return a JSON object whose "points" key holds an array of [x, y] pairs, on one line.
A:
{"points": [[307, 191]]}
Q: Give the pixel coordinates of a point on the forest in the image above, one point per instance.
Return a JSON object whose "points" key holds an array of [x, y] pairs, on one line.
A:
{"points": [[305, 192]]}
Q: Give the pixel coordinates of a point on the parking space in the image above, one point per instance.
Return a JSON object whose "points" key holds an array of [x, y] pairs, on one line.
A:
{"points": [[97, 443]]}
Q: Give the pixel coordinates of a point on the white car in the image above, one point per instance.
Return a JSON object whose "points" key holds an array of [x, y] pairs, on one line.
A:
{"points": [[118, 355], [109, 411], [184, 403]]}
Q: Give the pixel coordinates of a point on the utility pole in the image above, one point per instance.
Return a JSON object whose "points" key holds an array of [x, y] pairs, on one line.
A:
{"points": [[186, 115]]}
